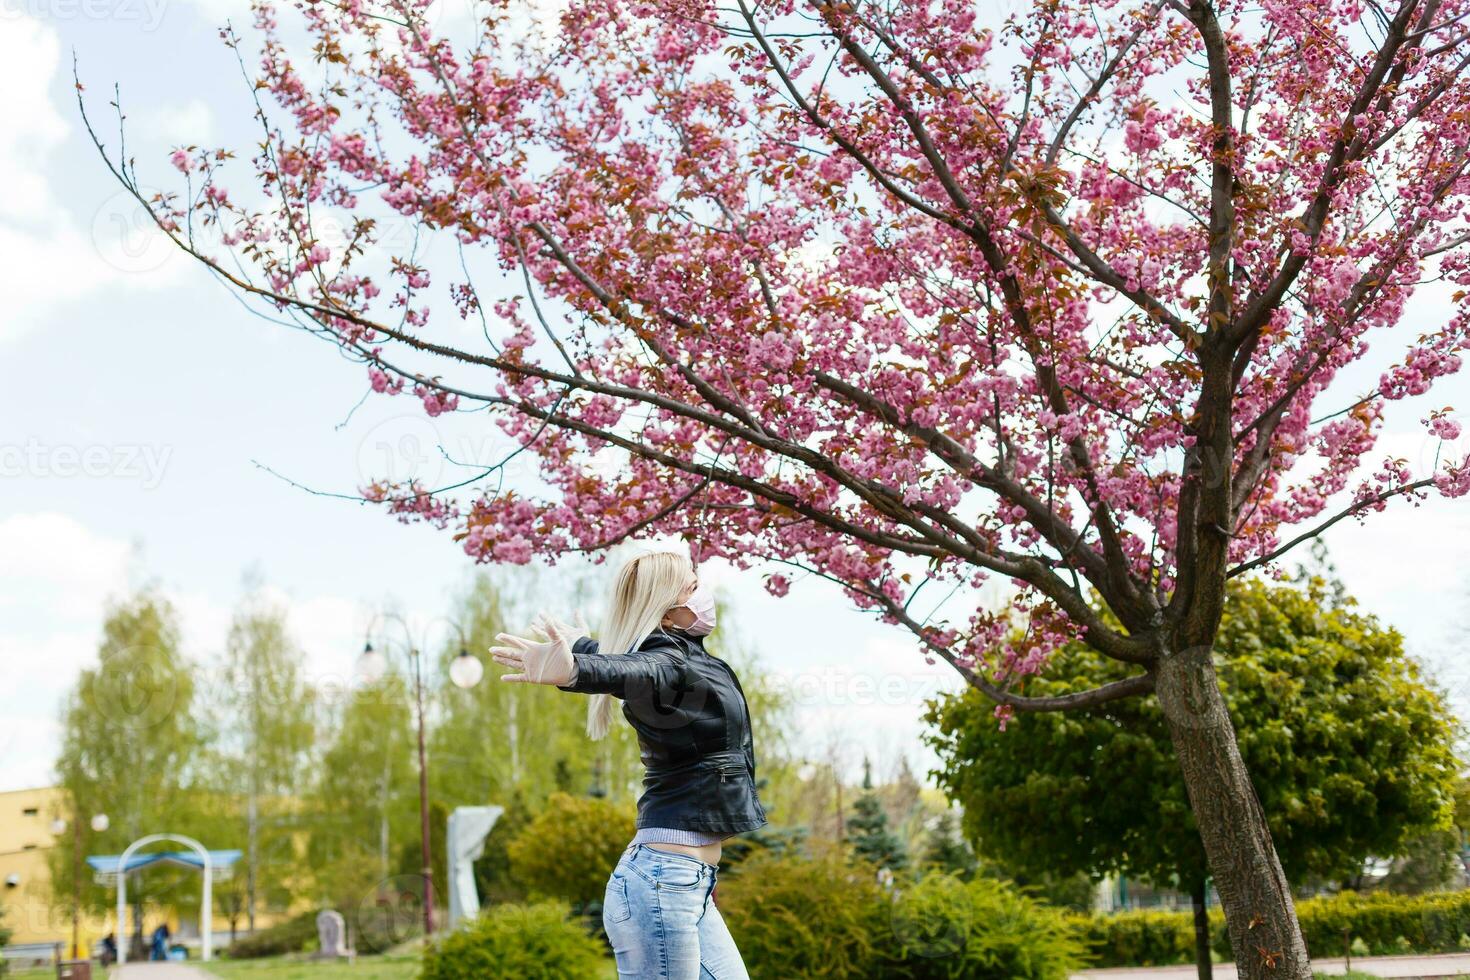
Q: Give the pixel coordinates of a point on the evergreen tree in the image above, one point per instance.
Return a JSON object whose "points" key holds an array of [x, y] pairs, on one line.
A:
{"points": [[946, 851], [868, 828]]}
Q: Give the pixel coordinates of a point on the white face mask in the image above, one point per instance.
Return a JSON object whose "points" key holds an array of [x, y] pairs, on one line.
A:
{"points": [[702, 604]]}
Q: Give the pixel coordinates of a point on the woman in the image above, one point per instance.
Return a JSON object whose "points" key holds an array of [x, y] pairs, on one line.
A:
{"points": [[694, 732]]}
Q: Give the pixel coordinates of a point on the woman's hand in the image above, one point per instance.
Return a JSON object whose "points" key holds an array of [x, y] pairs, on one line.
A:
{"points": [[572, 631], [540, 659]]}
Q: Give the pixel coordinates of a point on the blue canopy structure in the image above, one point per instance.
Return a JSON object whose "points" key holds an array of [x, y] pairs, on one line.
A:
{"points": [[107, 864]]}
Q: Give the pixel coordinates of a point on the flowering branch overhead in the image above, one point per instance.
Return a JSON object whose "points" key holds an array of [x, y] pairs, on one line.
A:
{"points": [[1053, 300]]}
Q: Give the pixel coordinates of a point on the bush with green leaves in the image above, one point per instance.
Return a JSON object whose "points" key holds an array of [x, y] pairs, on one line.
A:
{"points": [[945, 928], [823, 914], [1386, 924], [4, 938], [291, 936], [524, 942], [1374, 924], [1145, 937], [570, 847], [820, 914]]}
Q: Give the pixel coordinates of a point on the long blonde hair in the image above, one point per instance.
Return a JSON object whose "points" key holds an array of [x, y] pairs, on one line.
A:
{"points": [[646, 587]]}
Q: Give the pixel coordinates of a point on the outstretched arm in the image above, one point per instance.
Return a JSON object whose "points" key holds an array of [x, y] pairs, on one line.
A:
{"points": [[570, 660], [540, 659], [614, 673]]}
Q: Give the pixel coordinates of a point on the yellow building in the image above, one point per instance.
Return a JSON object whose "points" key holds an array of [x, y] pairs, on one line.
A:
{"points": [[35, 909]]}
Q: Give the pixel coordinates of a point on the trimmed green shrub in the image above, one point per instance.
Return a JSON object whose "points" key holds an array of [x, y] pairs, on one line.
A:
{"points": [[1147, 937], [1429, 923], [816, 915], [570, 847], [525, 942], [823, 914], [290, 936], [944, 927], [1376, 924]]}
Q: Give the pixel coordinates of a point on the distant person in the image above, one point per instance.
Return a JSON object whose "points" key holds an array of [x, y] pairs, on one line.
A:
{"points": [[160, 942], [694, 733], [109, 949]]}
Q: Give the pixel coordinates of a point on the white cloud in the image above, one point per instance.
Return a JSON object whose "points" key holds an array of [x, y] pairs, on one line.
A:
{"points": [[30, 54], [186, 124], [48, 258], [56, 579], [55, 567]]}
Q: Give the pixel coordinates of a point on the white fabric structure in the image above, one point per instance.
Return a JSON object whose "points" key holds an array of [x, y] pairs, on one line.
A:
{"points": [[468, 828]]}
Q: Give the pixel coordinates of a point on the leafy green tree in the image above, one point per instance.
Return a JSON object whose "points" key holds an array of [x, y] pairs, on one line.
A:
{"points": [[411, 855], [4, 939], [365, 799], [1350, 751], [1426, 863], [495, 741], [493, 875], [130, 742], [263, 719], [868, 828]]}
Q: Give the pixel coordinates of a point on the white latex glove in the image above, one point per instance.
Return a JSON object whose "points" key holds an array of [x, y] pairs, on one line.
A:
{"points": [[539, 659], [573, 631]]}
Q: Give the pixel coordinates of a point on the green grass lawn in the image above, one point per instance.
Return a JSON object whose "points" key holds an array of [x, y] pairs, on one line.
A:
{"points": [[366, 968]]}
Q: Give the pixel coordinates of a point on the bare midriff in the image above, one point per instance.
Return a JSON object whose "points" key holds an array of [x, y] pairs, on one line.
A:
{"points": [[708, 853]]}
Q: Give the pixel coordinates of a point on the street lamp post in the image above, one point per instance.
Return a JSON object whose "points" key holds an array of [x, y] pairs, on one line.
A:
{"points": [[465, 672], [100, 823]]}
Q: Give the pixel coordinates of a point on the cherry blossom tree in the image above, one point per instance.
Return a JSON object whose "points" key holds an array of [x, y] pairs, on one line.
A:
{"points": [[1071, 295]]}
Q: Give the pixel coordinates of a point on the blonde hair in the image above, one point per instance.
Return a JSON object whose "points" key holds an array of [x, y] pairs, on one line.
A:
{"points": [[646, 587]]}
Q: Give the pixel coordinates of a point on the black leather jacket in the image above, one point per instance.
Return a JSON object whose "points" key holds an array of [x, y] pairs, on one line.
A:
{"points": [[693, 729]]}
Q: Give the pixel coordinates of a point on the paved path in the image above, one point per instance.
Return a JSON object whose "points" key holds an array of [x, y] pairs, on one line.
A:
{"points": [[158, 971], [1447, 965]]}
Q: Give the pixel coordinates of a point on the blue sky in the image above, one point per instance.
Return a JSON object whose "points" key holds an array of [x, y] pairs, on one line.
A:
{"points": [[139, 397]]}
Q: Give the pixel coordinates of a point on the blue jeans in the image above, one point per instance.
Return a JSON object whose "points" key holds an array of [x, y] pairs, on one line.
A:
{"points": [[658, 914]]}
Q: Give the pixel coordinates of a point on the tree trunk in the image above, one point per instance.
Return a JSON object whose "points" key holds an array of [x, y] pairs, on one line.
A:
{"points": [[253, 818], [1259, 913], [1203, 958]]}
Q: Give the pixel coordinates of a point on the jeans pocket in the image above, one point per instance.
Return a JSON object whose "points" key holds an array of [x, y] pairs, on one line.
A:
{"points": [[615, 907], [679, 876]]}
